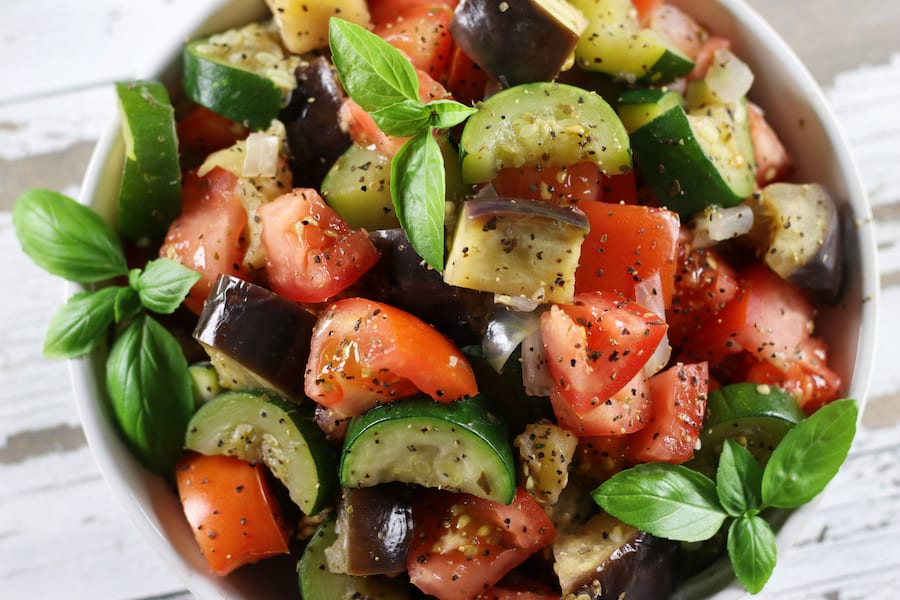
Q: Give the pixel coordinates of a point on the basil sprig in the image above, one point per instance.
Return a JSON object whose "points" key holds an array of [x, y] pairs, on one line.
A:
{"points": [[677, 503], [384, 83], [146, 373]]}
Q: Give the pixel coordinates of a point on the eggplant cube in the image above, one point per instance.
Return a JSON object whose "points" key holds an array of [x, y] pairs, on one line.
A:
{"points": [[518, 248]]}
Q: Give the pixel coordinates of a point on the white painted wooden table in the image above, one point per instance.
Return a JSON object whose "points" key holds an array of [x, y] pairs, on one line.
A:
{"points": [[62, 535]]}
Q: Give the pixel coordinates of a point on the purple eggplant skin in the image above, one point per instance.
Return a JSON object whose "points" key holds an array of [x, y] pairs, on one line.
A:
{"points": [[515, 42], [640, 569], [259, 330], [314, 134], [375, 528], [402, 279]]}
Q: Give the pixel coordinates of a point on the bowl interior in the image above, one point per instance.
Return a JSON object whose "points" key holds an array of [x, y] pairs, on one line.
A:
{"points": [[794, 105]]}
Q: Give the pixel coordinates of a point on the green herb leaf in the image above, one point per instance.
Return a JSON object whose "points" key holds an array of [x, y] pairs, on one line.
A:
{"points": [[373, 72], [418, 188], [150, 390], [738, 480], [80, 323], [669, 501], [128, 303], [405, 118], [752, 550], [448, 113], [810, 455], [163, 285], [67, 239]]}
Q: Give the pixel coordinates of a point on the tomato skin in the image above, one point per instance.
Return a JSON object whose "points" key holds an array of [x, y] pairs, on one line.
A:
{"points": [[466, 81], [311, 252], [679, 27], [421, 31], [678, 404], [208, 237], [463, 545], [595, 346], [705, 56], [645, 8], [365, 353], [235, 518], [625, 245], [768, 317], [203, 132]]}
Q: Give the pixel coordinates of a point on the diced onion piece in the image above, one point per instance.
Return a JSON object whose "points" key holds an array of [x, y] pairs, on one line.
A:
{"points": [[647, 294], [719, 224], [504, 332], [261, 156], [535, 374], [729, 78]]}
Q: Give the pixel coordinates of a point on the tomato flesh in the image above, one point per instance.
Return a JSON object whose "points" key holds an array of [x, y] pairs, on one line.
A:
{"points": [[203, 132], [420, 30], [366, 353], [463, 545], [235, 518], [595, 346], [624, 412], [466, 81], [208, 237], [678, 404], [312, 254]]}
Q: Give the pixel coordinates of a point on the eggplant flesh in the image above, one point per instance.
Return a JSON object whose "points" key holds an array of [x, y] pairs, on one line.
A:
{"points": [[518, 41], [254, 337], [402, 279], [374, 531], [314, 135], [606, 559]]}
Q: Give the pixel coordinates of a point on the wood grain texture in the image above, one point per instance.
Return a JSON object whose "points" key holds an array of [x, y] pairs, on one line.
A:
{"points": [[62, 534]]}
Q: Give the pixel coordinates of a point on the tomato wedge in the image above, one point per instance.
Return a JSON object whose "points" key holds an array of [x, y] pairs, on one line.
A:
{"points": [[202, 132], [596, 345], [208, 237], [463, 545], [421, 31], [366, 353], [312, 254], [625, 245], [624, 412], [678, 404], [235, 518]]}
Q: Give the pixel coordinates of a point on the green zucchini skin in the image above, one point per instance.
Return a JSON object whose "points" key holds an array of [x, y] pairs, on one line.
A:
{"points": [[235, 93], [639, 106], [456, 446], [680, 168], [543, 125], [258, 425]]}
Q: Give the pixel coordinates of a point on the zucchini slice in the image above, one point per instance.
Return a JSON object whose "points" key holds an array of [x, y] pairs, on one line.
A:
{"points": [[638, 107], [756, 416], [150, 196], [692, 160], [242, 74], [543, 125], [458, 446], [615, 43], [255, 425]]}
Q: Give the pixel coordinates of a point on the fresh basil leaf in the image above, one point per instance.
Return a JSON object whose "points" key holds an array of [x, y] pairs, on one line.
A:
{"points": [[752, 550], [810, 455], [128, 303], [374, 73], [67, 239], [80, 323], [150, 390], [418, 188], [405, 118], [738, 480], [668, 501], [448, 113], [163, 285]]}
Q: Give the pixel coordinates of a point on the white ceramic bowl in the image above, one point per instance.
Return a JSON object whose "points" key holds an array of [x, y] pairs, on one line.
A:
{"points": [[794, 105]]}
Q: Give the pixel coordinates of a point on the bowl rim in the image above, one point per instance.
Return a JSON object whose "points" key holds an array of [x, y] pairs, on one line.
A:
{"points": [[135, 488]]}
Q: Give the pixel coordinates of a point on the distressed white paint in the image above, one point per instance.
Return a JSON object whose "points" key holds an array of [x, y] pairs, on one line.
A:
{"points": [[61, 533]]}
